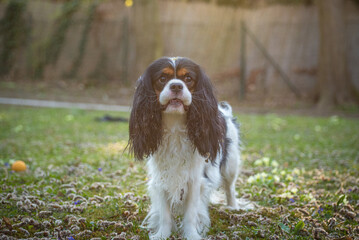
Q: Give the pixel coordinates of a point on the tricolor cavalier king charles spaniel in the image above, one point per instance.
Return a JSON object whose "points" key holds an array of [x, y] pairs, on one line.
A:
{"points": [[191, 143]]}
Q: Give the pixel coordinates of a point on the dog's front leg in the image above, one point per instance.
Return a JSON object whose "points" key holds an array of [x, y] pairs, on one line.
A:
{"points": [[191, 220], [164, 224]]}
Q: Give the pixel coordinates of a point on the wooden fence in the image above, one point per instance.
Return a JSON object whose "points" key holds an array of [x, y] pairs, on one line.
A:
{"points": [[120, 42]]}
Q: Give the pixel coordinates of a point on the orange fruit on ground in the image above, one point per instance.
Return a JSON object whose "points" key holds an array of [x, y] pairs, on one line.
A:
{"points": [[18, 166]]}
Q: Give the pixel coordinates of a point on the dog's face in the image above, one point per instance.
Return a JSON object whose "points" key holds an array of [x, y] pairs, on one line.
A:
{"points": [[174, 80], [180, 86]]}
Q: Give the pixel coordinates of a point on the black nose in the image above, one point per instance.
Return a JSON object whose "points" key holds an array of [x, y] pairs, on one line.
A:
{"points": [[176, 87]]}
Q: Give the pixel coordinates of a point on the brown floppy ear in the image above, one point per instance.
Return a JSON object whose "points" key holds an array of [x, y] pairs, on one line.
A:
{"points": [[205, 123], [145, 124]]}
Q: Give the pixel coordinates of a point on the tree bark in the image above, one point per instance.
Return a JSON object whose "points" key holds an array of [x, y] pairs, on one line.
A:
{"points": [[334, 85]]}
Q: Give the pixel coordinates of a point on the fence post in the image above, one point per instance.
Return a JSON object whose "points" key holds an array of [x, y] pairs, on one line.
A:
{"points": [[242, 68], [124, 50]]}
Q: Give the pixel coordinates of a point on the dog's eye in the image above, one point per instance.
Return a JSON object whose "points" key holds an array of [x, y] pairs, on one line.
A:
{"points": [[188, 79], [162, 80]]}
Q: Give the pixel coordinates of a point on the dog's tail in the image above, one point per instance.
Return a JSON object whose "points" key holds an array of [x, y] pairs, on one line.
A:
{"points": [[226, 109]]}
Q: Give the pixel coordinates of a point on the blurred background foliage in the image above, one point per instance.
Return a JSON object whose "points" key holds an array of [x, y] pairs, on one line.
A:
{"points": [[13, 29]]}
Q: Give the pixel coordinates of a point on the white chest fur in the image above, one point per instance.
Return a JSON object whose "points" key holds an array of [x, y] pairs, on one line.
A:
{"points": [[175, 164]]}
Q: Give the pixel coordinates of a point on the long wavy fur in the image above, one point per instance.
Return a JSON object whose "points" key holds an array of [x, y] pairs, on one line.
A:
{"points": [[145, 126], [205, 124]]}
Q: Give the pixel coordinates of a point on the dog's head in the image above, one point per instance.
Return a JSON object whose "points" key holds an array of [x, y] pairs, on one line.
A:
{"points": [[175, 86]]}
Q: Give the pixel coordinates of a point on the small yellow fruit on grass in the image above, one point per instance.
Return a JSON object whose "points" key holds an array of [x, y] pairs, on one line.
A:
{"points": [[18, 166]]}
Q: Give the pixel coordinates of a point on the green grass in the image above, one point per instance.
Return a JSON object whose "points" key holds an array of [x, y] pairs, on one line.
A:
{"points": [[301, 172]]}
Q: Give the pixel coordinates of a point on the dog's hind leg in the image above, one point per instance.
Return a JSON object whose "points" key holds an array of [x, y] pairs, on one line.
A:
{"points": [[229, 177]]}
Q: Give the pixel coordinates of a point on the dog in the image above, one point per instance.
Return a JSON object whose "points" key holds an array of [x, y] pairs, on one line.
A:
{"points": [[190, 141]]}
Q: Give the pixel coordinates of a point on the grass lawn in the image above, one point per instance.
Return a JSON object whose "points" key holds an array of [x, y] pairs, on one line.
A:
{"points": [[301, 172]]}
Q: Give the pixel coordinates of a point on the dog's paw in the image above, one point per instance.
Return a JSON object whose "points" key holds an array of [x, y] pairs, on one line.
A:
{"points": [[192, 236], [190, 232], [163, 232], [241, 204], [160, 236]]}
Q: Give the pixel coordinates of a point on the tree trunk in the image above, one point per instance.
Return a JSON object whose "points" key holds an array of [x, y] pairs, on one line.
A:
{"points": [[334, 85]]}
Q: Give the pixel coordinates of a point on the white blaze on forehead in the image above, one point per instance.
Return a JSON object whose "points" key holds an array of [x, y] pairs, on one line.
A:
{"points": [[173, 61]]}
